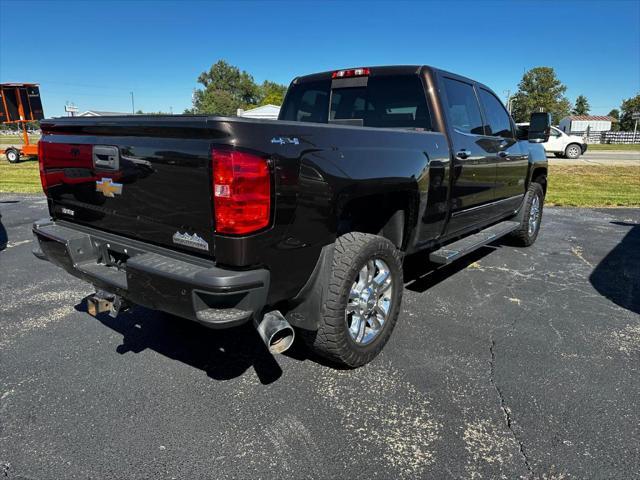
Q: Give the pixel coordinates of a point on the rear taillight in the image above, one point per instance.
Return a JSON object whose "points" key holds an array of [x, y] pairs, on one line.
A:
{"points": [[55, 158], [43, 177], [241, 191]]}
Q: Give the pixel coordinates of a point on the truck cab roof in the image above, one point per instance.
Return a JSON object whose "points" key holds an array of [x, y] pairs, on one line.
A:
{"points": [[384, 70]]}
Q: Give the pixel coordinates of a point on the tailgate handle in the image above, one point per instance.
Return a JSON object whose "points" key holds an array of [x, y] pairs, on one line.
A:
{"points": [[105, 156]]}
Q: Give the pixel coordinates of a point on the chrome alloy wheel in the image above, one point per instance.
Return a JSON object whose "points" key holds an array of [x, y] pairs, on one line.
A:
{"points": [[534, 215], [369, 302]]}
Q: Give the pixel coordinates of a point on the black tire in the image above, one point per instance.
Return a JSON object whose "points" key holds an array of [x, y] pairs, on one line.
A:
{"points": [[525, 236], [333, 340], [559, 155], [13, 155], [573, 151]]}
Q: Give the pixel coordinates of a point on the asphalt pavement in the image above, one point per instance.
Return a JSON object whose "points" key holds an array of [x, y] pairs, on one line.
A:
{"points": [[513, 363], [600, 157], [604, 155]]}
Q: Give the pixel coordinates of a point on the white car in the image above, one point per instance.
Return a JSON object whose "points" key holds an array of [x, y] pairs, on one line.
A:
{"points": [[561, 144]]}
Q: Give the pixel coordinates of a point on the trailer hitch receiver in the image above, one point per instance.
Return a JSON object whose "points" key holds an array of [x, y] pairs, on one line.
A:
{"points": [[102, 301]]}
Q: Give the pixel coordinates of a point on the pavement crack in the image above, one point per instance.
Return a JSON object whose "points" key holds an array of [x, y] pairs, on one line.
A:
{"points": [[506, 412], [579, 253], [4, 468]]}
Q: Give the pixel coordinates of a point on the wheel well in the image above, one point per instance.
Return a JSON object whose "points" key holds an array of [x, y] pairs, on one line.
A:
{"points": [[390, 215], [573, 143], [540, 176]]}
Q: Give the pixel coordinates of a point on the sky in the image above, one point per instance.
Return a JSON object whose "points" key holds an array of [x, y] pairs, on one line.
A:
{"points": [[94, 53]]}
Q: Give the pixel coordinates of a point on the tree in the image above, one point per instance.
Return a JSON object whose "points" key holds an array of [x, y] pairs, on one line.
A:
{"points": [[216, 102], [226, 89], [615, 113], [538, 90], [140, 112], [272, 93], [582, 106], [627, 109]]}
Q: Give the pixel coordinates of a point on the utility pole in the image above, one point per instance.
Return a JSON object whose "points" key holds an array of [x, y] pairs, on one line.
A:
{"points": [[508, 92], [635, 116], [133, 108]]}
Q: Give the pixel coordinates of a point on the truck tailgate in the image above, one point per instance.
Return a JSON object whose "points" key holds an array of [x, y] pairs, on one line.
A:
{"points": [[149, 183]]}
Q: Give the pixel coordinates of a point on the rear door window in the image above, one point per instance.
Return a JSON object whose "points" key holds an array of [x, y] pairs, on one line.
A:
{"points": [[463, 108], [497, 118]]}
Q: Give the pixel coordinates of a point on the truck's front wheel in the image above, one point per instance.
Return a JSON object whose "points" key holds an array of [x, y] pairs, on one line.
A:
{"points": [[531, 216], [362, 302]]}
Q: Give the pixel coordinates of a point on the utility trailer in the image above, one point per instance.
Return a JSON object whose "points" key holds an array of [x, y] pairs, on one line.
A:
{"points": [[20, 104]]}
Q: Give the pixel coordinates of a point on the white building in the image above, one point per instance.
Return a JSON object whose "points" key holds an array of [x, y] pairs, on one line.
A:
{"points": [[96, 113], [580, 123], [269, 112]]}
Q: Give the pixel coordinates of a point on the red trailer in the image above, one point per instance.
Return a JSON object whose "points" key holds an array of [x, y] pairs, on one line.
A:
{"points": [[20, 104]]}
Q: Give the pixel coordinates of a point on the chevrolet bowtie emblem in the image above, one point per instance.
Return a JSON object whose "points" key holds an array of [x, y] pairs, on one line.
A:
{"points": [[108, 188]]}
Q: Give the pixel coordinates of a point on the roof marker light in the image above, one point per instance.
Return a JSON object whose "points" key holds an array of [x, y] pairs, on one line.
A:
{"points": [[352, 72]]}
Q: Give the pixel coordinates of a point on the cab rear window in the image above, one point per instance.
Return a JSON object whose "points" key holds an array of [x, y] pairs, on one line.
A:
{"points": [[385, 102], [307, 102]]}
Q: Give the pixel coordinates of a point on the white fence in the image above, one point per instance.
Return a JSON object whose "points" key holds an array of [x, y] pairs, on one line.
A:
{"points": [[610, 137]]}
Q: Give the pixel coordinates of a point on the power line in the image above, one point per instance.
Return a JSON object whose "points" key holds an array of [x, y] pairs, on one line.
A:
{"points": [[107, 95], [81, 85], [44, 84]]}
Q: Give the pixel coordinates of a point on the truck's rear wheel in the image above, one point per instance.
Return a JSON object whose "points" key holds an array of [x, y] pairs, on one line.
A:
{"points": [[362, 302], [527, 233], [13, 155], [573, 151]]}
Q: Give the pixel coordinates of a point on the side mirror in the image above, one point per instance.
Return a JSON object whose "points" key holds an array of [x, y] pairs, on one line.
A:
{"points": [[539, 127]]}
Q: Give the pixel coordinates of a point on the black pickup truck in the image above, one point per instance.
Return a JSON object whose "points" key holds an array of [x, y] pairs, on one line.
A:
{"points": [[298, 225]]}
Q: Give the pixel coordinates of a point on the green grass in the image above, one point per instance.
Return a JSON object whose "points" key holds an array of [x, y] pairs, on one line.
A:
{"points": [[594, 186], [569, 185], [22, 177], [17, 139], [623, 147]]}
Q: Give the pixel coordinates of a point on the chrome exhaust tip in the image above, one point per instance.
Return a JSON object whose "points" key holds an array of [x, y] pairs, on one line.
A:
{"points": [[276, 333]]}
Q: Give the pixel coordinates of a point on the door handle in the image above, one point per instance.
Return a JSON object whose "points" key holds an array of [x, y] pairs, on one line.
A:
{"points": [[503, 154], [105, 156], [463, 154]]}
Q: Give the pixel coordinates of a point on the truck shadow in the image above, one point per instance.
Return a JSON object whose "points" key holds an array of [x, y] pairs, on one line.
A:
{"points": [[420, 274], [617, 276], [4, 238], [228, 353], [221, 354]]}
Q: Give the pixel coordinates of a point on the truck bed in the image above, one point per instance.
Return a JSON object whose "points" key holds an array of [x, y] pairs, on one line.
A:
{"points": [[163, 184]]}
